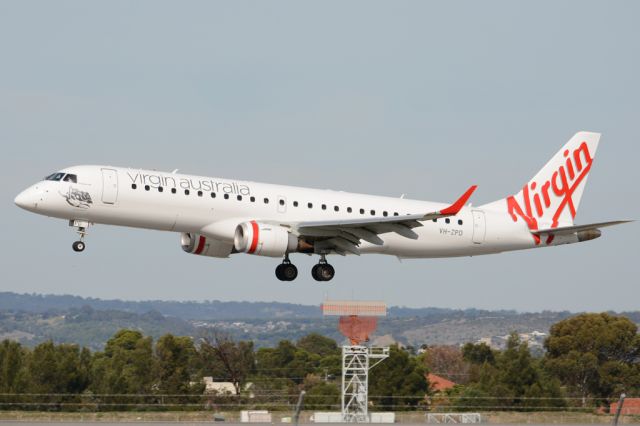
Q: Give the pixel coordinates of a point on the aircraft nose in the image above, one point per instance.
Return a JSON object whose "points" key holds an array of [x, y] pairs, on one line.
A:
{"points": [[27, 199]]}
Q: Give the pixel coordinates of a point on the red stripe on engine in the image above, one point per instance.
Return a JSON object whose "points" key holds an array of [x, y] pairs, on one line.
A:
{"points": [[200, 248], [254, 240]]}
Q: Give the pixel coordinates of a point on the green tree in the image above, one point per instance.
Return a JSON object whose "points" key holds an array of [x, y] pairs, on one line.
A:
{"points": [[58, 369], [126, 366], [399, 382], [317, 344], [176, 361], [321, 395], [12, 360], [514, 379], [595, 355]]}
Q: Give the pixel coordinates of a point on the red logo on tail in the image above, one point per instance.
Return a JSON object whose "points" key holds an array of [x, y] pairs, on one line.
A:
{"points": [[562, 184]]}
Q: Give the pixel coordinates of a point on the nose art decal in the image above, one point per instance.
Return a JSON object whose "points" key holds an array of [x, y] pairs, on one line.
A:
{"points": [[77, 198]]}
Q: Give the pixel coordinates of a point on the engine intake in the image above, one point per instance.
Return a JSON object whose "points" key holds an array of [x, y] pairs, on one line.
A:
{"points": [[264, 239], [201, 245]]}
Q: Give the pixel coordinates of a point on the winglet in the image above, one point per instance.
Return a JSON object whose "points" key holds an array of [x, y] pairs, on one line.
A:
{"points": [[459, 204]]}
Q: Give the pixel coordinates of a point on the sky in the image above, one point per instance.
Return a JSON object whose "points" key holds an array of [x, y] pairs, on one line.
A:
{"points": [[388, 98]]}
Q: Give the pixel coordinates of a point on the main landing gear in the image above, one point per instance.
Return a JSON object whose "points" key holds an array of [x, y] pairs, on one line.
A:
{"points": [[323, 271], [287, 271], [81, 228]]}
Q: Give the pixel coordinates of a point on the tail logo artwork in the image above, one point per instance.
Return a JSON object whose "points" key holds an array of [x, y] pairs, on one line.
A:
{"points": [[559, 188]]}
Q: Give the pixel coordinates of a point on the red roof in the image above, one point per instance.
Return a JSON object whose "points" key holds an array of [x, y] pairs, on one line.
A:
{"points": [[440, 384], [630, 406]]}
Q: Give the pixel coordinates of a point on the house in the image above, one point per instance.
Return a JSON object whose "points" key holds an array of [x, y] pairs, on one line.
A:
{"points": [[439, 384], [630, 406]]}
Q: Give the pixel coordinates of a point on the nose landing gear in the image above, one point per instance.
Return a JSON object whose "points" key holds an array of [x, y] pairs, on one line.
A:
{"points": [[81, 228], [286, 271], [323, 271]]}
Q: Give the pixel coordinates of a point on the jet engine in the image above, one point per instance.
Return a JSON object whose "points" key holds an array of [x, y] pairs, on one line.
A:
{"points": [[203, 246], [264, 239]]}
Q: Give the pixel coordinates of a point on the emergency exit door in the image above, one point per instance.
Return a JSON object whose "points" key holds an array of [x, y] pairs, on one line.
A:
{"points": [[479, 226], [109, 186]]}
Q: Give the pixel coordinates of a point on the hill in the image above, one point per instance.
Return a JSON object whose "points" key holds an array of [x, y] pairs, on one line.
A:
{"points": [[32, 318]]}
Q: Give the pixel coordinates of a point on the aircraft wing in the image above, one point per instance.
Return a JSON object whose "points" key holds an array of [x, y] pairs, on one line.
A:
{"points": [[568, 230], [344, 236]]}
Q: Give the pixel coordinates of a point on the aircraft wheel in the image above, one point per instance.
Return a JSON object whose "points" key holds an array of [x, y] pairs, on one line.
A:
{"points": [[327, 272], [314, 272], [289, 272], [323, 272], [78, 246], [279, 273]]}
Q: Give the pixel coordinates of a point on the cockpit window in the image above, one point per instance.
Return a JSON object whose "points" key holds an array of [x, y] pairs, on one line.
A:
{"points": [[55, 176], [70, 178]]}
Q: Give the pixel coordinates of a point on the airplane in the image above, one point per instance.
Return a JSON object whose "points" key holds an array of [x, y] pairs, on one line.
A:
{"points": [[219, 217]]}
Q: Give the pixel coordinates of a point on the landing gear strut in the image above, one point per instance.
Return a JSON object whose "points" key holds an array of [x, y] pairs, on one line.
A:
{"points": [[81, 228], [286, 271], [323, 271]]}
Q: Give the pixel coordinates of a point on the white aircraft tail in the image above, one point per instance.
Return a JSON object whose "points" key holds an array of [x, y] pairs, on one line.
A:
{"points": [[551, 198]]}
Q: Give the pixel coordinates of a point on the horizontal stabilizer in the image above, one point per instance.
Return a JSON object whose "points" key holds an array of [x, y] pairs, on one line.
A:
{"points": [[568, 230]]}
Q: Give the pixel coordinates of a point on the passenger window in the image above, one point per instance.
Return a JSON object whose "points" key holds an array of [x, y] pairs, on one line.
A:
{"points": [[373, 212], [71, 178], [447, 221], [239, 197], [281, 202], [199, 193], [266, 201], [361, 211], [213, 195], [349, 209], [226, 196], [459, 221], [146, 187], [252, 199], [324, 207], [186, 192], [295, 204], [160, 189], [173, 190], [310, 205], [134, 186], [336, 208], [435, 220], [385, 214], [395, 213]]}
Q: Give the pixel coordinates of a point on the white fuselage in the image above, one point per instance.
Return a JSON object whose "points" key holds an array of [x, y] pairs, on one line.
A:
{"points": [[188, 204]]}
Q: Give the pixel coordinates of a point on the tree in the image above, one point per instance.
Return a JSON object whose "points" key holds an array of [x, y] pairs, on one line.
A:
{"points": [[400, 375], [235, 361], [126, 366], [513, 379], [595, 355], [175, 365], [446, 361], [12, 360], [478, 353], [58, 369], [317, 344]]}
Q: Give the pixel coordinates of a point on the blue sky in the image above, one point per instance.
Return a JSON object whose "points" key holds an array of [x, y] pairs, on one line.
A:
{"points": [[422, 98]]}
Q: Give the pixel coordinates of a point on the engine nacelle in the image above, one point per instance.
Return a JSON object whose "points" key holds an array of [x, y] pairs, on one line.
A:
{"points": [[264, 239], [203, 246]]}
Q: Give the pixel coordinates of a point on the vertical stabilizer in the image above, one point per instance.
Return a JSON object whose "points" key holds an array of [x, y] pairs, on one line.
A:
{"points": [[551, 198]]}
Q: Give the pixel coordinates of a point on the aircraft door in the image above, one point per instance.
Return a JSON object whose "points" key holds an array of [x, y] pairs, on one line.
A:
{"points": [[282, 204], [479, 226], [109, 186]]}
